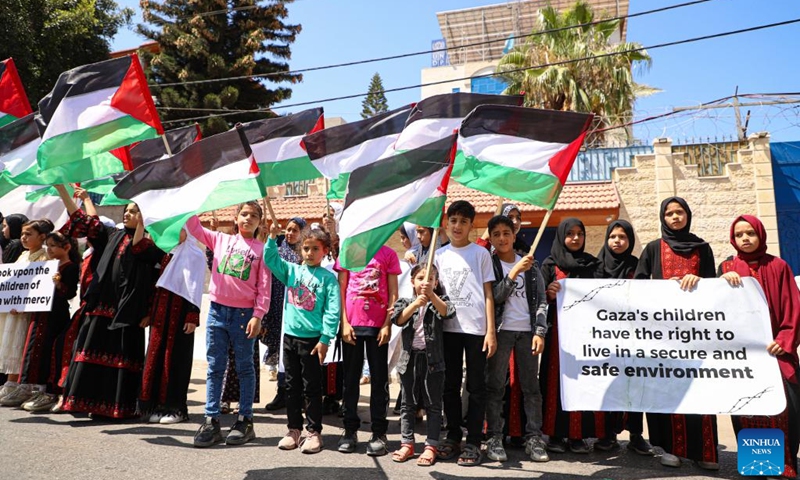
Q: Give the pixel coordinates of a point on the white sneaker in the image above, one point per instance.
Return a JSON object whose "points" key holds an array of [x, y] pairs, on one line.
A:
{"points": [[670, 460], [171, 418], [156, 417]]}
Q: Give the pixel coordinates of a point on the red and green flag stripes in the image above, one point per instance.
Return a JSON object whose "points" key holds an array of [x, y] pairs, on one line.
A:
{"points": [[524, 154], [14, 103], [94, 109], [409, 186]]}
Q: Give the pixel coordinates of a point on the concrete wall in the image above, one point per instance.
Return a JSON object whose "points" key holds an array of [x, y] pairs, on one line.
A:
{"points": [[438, 74], [745, 188]]}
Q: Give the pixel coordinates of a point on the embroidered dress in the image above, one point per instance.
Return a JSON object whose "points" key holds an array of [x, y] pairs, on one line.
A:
{"points": [[14, 328], [105, 374]]}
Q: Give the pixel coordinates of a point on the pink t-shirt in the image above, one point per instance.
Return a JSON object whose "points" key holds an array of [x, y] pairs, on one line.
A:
{"points": [[367, 297]]}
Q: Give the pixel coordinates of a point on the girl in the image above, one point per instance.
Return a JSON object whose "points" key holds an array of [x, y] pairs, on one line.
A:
{"points": [[239, 293], [38, 373], [618, 261], [683, 256], [288, 251], [174, 316], [567, 260], [12, 229], [310, 322], [422, 358], [13, 325], [106, 370], [749, 238]]}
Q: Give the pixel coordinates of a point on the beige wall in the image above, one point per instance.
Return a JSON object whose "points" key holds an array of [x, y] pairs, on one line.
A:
{"points": [[745, 188], [439, 74]]}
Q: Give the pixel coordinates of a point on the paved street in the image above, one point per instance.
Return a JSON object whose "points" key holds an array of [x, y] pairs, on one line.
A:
{"points": [[66, 447]]}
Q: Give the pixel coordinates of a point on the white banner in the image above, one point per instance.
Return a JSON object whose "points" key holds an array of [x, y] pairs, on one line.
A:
{"points": [[27, 287], [648, 346]]}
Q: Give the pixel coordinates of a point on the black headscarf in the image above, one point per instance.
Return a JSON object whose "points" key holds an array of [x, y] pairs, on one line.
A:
{"points": [[681, 241], [564, 258], [618, 265], [12, 246]]}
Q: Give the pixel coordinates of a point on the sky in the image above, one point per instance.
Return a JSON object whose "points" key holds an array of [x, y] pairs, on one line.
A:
{"points": [[765, 61]]}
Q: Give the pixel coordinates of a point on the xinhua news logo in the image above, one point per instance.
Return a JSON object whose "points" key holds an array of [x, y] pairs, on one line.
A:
{"points": [[761, 452]]}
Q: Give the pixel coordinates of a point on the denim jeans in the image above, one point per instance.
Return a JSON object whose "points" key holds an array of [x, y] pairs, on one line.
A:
{"points": [[377, 358], [433, 384], [497, 373], [228, 326], [457, 347], [303, 383]]}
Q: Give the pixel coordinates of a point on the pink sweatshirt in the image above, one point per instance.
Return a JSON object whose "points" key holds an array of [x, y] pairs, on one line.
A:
{"points": [[238, 276]]}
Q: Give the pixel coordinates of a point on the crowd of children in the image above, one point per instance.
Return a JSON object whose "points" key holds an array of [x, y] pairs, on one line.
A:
{"points": [[478, 354]]}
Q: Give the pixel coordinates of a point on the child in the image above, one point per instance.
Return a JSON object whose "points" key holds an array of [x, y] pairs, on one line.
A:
{"points": [[422, 319], [366, 323], [466, 272], [14, 325], [45, 327], [12, 230], [521, 322], [239, 293], [618, 261], [683, 256], [567, 260], [310, 321], [749, 238]]}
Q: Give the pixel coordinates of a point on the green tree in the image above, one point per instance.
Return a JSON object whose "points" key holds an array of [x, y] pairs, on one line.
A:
{"points": [[375, 101], [218, 39], [48, 37], [603, 86]]}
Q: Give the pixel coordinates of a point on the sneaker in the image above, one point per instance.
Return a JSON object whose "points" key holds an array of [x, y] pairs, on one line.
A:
{"points": [[537, 449], [175, 417], [557, 446], [34, 395], [278, 402], [495, 450], [41, 403], [20, 395], [7, 388], [272, 375], [708, 465], [606, 444], [641, 446], [376, 445], [348, 442], [208, 434], [670, 460], [291, 440], [155, 417], [311, 442], [579, 446], [58, 407], [241, 432]]}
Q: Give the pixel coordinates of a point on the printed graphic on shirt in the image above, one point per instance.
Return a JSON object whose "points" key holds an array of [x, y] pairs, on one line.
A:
{"points": [[519, 287], [454, 285], [237, 263], [302, 297], [369, 281]]}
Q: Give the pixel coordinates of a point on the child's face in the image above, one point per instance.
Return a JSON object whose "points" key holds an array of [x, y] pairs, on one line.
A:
{"points": [[292, 233], [405, 241], [458, 228], [419, 279], [6, 230], [313, 251], [247, 220], [56, 251], [618, 240], [131, 216], [502, 238], [424, 236], [746, 237], [516, 219], [675, 216], [575, 239], [31, 239]]}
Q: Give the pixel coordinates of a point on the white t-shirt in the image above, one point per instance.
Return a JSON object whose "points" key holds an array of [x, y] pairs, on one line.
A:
{"points": [[462, 272], [516, 317], [419, 330]]}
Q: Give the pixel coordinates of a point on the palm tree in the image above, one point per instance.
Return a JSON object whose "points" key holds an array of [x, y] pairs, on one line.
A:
{"points": [[603, 85]]}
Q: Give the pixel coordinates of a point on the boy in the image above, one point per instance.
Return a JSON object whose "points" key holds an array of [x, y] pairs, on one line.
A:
{"points": [[521, 315], [466, 271]]}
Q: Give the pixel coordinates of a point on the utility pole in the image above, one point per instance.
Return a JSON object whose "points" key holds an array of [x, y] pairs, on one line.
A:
{"points": [[741, 132]]}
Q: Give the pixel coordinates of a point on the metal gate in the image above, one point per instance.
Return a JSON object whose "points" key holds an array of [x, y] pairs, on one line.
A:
{"points": [[786, 175]]}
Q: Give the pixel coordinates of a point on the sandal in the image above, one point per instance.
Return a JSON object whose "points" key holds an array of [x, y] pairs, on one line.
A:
{"points": [[428, 456], [448, 449], [470, 456], [405, 452]]}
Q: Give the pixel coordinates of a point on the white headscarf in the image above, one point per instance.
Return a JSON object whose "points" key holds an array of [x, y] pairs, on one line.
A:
{"points": [[185, 274], [411, 233]]}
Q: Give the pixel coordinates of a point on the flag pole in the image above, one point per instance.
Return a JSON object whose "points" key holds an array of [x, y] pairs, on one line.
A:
{"points": [[268, 204], [540, 232], [431, 252], [166, 144], [327, 199]]}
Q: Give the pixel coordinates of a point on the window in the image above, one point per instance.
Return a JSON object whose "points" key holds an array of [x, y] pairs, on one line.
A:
{"points": [[297, 189], [490, 85]]}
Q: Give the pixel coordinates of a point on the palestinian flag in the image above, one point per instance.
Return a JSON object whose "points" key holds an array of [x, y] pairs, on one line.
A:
{"points": [[524, 154], [49, 207], [14, 103], [409, 186], [277, 147], [339, 150], [216, 172], [438, 116], [94, 109]]}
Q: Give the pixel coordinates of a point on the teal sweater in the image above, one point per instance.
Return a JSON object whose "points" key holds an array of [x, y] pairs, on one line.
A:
{"points": [[311, 306]]}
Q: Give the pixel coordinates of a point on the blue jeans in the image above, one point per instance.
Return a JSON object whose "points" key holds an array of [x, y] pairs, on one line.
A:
{"points": [[228, 325]]}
